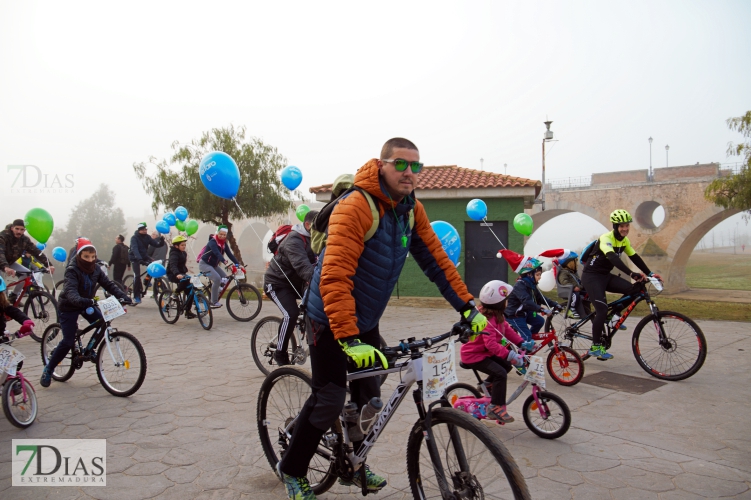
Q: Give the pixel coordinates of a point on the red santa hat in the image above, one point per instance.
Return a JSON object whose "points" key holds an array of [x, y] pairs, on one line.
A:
{"points": [[556, 253], [82, 244], [515, 260]]}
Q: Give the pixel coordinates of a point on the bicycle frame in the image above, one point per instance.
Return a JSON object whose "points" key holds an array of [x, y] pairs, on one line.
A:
{"points": [[28, 282]]}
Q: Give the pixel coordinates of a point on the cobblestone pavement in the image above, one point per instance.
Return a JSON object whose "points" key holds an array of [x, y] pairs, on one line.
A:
{"points": [[190, 431]]}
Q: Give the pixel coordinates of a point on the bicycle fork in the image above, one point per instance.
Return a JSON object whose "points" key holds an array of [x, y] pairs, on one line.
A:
{"points": [[119, 359]]}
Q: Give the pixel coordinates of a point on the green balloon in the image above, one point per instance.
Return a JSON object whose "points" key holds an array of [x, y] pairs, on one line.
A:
{"points": [[39, 224], [180, 225], [191, 227], [302, 211], [523, 224]]}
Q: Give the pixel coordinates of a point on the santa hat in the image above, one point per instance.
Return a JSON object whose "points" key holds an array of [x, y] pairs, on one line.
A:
{"points": [[556, 253], [222, 229], [515, 260], [82, 244]]}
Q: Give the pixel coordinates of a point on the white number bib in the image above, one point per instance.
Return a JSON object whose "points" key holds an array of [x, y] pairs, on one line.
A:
{"points": [[536, 371], [9, 359], [111, 308], [196, 282], [240, 275], [438, 372], [39, 277]]}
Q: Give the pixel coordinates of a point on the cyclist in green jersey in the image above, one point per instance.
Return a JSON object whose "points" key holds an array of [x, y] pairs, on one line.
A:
{"points": [[597, 278]]}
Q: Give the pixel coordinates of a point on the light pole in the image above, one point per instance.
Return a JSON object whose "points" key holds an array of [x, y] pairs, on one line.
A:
{"points": [[481, 164], [651, 176], [504, 168], [667, 163], [547, 137]]}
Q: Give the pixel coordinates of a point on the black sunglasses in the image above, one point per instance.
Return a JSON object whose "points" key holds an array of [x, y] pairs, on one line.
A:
{"points": [[401, 165]]}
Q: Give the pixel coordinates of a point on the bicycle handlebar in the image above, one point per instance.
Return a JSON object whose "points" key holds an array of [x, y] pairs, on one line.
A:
{"points": [[404, 348]]}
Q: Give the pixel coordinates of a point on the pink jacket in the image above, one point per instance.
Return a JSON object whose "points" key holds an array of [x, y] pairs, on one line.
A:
{"points": [[488, 345]]}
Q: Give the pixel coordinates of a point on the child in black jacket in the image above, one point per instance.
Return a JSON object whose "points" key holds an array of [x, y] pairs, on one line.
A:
{"points": [[177, 270], [81, 279]]}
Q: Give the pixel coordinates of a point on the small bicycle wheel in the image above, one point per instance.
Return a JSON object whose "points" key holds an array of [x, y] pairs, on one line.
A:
{"points": [[169, 308], [557, 418], [121, 364], [51, 337], [579, 338], [676, 354], [282, 396], [475, 462], [263, 342], [244, 302], [203, 311], [41, 308], [20, 409], [460, 389], [565, 366]]}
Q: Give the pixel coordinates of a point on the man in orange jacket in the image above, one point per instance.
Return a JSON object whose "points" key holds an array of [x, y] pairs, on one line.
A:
{"points": [[350, 289]]}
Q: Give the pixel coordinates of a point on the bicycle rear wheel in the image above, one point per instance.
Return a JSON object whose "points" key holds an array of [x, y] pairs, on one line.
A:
{"points": [[474, 463], [676, 355], [169, 308], [566, 366], [121, 364], [557, 417], [41, 308], [263, 343], [59, 287], [203, 311], [51, 337], [128, 285], [161, 286], [282, 396], [244, 302], [460, 389], [19, 410], [579, 338]]}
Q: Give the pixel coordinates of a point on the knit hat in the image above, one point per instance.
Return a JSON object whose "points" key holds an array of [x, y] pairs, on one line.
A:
{"points": [[141, 225], [222, 229], [83, 243], [520, 263]]}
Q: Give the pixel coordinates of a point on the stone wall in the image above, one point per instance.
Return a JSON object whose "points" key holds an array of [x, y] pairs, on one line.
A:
{"points": [[688, 172], [626, 176]]}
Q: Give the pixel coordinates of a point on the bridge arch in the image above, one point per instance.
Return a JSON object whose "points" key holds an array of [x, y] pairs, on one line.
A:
{"points": [[564, 207]]}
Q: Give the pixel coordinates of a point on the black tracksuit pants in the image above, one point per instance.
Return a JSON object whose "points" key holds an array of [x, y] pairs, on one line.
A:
{"points": [[285, 299], [497, 368], [596, 285]]}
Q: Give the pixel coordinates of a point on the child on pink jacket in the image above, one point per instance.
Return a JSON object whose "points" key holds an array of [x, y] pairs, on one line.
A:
{"points": [[485, 353]]}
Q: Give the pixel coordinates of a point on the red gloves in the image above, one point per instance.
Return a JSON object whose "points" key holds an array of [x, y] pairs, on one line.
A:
{"points": [[27, 326]]}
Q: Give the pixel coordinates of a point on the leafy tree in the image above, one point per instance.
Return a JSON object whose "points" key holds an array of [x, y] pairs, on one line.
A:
{"points": [[98, 219], [735, 191], [177, 182]]}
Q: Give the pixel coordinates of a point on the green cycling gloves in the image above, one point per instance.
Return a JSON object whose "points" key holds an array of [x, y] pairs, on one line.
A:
{"points": [[362, 355], [477, 321]]}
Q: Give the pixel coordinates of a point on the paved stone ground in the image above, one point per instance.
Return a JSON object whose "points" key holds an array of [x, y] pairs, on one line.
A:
{"points": [[190, 430]]}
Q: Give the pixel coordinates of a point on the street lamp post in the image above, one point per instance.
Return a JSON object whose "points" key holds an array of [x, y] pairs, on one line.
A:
{"points": [[667, 163], [651, 175], [547, 137], [504, 168]]}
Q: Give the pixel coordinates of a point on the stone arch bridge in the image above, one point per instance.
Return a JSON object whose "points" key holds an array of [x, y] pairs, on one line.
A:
{"points": [[678, 190]]}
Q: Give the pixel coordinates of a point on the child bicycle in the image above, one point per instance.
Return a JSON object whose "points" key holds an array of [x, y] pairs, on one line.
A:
{"points": [[449, 453], [119, 357], [564, 364], [675, 351], [243, 299], [171, 306], [18, 395], [40, 306]]}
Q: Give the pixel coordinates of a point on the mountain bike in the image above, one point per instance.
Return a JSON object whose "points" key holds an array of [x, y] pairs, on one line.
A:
{"points": [[171, 306], [545, 413], [119, 357], [40, 306], [449, 453], [104, 266], [675, 350], [160, 285], [18, 395], [243, 299]]}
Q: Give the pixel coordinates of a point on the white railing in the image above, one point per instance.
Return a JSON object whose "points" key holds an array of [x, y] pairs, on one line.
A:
{"points": [[570, 182]]}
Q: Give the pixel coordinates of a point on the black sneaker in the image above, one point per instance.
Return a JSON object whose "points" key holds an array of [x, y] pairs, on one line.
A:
{"points": [[281, 358], [12, 297], [190, 315]]}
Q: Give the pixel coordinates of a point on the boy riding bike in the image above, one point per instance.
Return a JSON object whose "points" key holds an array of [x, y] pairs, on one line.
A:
{"points": [[598, 279]]}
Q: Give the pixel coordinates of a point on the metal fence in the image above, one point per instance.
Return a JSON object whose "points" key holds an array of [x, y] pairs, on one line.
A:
{"points": [[569, 182]]}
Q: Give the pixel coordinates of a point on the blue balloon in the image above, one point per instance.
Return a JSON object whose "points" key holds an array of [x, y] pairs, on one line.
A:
{"points": [[41, 246], [60, 254], [162, 227], [477, 209], [291, 177], [449, 239], [170, 219], [220, 175], [181, 213], [156, 270]]}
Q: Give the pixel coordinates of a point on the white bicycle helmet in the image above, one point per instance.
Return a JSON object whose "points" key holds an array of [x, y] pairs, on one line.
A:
{"points": [[494, 292]]}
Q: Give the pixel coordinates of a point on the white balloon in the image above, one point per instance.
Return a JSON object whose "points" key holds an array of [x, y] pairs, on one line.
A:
{"points": [[547, 281]]}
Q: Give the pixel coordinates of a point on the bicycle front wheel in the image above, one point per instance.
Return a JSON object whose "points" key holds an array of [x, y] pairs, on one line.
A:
{"points": [[41, 308], [473, 462], [169, 308], [579, 338], [674, 351], [51, 337], [550, 419], [282, 396], [565, 366], [121, 364], [203, 311], [20, 410], [161, 286], [244, 302], [263, 343]]}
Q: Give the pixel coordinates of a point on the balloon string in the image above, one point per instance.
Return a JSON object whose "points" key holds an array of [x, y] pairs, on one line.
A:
{"points": [[485, 220], [273, 257]]}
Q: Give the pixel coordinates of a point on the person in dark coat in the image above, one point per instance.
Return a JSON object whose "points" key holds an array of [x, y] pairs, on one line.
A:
{"points": [[13, 242], [119, 258], [138, 255], [77, 299], [286, 278], [177, 270]]}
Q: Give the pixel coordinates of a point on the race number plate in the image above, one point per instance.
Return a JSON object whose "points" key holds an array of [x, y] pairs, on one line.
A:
{"points": [[239, 275], [9, 359], [111, 308], [196, 282], [438, 372], [536, 371], [39, 277]]}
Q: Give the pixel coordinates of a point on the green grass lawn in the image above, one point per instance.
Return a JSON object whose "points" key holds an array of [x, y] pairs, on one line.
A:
{"points": [[724, 271]]}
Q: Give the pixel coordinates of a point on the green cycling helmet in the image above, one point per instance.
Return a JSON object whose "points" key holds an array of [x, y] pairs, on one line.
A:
{"points": [[620, 217]]}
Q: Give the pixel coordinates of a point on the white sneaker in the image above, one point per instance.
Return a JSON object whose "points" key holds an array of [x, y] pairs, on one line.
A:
{"points": [[215, 305]]}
